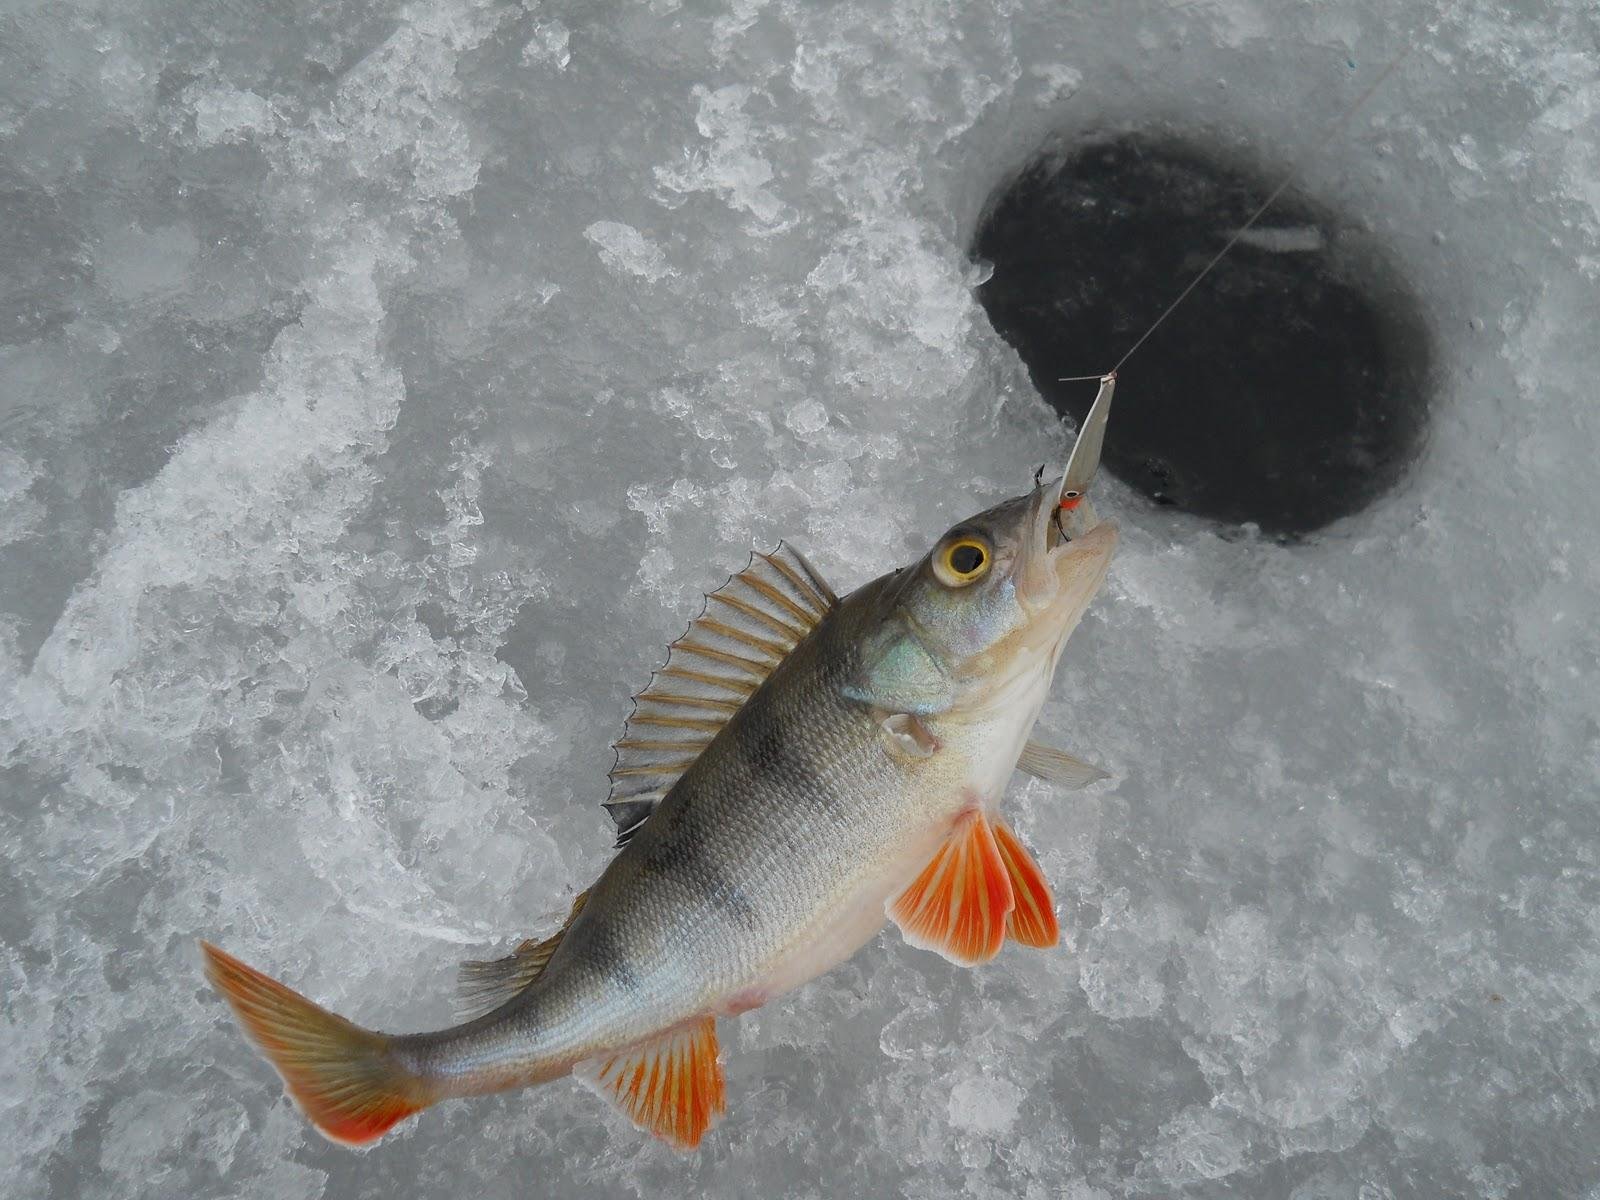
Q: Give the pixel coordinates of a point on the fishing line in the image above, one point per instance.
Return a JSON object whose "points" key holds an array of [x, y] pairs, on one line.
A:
{"points": [[1289, 177]]}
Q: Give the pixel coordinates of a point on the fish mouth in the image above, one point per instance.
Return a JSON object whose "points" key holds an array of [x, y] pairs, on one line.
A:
{"points": [[1062, 575]]}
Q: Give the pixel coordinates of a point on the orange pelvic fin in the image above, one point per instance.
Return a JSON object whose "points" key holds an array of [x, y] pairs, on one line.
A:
{"points": [[958, 905], [343, 1077], [673, 1086], [1033, 921]]}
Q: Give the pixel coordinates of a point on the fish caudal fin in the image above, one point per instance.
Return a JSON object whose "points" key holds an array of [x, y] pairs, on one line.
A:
{"points": [[959, 904], [672, 1086], [343, 1077], [1033, 921]]}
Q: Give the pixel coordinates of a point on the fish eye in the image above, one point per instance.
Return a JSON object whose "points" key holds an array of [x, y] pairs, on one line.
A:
{"points": [[963, 561]]}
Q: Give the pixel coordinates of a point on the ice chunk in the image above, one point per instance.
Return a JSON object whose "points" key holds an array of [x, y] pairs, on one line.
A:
{"points": [[624, 248], [228, 114], [549, 44], [987, 1106], [733, 165], [807, 417], [1057, 80]]}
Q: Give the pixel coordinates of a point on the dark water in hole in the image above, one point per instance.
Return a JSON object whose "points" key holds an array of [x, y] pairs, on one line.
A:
{"points": [[1289, 389]]}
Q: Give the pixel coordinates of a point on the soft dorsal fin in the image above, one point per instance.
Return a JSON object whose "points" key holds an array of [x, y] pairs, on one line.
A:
{"points": [[484, 986], [746, 628]]}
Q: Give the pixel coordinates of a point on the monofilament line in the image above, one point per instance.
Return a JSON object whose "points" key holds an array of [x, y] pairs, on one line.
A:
{"points": [[1289, 177]]}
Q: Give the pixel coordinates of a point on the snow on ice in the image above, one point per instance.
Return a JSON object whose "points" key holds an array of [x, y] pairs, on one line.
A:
{"points": [[381, 384]]}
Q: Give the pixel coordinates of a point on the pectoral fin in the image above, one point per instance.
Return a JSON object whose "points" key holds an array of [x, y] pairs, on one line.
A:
{"points": [[672, 1087], [1033, 921], [1058, 767], [958, 906]]}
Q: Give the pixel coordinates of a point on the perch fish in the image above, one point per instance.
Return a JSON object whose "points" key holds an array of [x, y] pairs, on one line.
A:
{"points": [[802, 769]]}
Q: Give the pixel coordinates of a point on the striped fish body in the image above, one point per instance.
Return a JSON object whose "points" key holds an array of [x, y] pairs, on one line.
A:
{"points": [[769, 861], [775, 854]]}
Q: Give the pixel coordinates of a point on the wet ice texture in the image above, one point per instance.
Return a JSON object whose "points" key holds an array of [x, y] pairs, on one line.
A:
{"points": [[379, 386]]}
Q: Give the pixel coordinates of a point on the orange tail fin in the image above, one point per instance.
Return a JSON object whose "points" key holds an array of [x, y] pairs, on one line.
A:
{"points": [[343, 1077]]}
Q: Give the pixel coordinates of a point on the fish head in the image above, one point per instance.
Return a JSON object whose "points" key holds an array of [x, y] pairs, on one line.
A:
{"points": [[993, 602]]}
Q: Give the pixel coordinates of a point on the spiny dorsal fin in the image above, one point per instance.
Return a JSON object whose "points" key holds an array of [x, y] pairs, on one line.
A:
{"points": [[484, 986], [746, 628]]}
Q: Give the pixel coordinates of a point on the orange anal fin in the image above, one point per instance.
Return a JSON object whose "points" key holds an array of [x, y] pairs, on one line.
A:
{"points": [[343, 1077], [1033, 921], [958, 906], [672, 1086]]}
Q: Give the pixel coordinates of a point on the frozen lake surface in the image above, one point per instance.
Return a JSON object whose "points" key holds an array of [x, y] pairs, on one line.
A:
{"points": [[381, 385]]}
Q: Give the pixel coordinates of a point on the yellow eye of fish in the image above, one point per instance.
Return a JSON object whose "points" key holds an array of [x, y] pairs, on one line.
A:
{"points": [[961, 562]]}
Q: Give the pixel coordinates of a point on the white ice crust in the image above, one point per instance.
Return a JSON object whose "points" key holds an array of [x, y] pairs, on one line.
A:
{"points": [[380, 385]]}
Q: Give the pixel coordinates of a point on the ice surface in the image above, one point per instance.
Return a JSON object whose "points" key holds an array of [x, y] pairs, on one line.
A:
{"points": [[380, 385]]}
